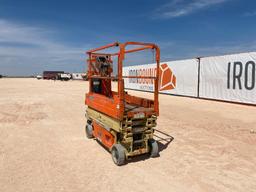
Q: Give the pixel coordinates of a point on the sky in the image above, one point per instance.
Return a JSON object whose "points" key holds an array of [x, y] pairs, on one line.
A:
{"points": [[54, 35]]}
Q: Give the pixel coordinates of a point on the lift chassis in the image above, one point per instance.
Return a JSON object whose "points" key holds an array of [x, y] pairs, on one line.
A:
{"points": [[123, 123]]}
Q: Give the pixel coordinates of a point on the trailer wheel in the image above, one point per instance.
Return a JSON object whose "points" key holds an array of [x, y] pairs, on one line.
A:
{"points": [[88, 131], [154, 152], [118, 154]]}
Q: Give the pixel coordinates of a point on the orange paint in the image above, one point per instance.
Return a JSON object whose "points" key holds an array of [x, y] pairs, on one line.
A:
{"points": [[104, 136], [167, 78], [113, 103]]}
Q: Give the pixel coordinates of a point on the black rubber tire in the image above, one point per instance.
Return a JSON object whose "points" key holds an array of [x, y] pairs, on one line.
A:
{"points": [[118, 154], [153, 145], [88, 131]]}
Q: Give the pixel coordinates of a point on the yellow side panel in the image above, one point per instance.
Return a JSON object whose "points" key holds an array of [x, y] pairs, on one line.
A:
{"points": [[104, 119]]}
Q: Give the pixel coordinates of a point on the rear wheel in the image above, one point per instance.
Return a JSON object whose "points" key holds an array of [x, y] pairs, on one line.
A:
{"points": [[118, 154], [154, 152], [88, 131]]}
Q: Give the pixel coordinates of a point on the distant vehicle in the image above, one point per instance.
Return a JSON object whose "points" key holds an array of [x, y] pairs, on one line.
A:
{"points": [[51, 74], [64, 76], [39, 77], [84, 75], [78, 76]]}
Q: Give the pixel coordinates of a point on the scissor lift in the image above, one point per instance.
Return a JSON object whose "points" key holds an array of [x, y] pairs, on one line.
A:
{"points": [[123, 123]]}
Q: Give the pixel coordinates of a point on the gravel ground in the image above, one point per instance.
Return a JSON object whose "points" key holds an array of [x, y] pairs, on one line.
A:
{"points": [[43, 145]]}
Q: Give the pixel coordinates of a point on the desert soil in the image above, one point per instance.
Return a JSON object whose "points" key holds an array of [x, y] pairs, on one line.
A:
{"points": [[43, 145]]}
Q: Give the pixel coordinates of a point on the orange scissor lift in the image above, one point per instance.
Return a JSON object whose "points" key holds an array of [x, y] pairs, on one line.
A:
{"points": [[123, 123]]}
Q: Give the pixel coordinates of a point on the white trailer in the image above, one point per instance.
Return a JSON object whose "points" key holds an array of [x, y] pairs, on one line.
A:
{"points": [[65, 76], [78, 76]]}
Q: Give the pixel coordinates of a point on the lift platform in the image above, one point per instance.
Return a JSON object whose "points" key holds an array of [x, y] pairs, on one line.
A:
{"points": [[123, 123]]}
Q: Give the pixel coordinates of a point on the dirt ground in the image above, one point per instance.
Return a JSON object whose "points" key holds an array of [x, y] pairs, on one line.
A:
{"points": [[43, 145]]}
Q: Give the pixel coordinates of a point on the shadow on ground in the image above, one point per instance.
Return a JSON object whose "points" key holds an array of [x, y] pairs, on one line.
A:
{"points": [[163, 139]]}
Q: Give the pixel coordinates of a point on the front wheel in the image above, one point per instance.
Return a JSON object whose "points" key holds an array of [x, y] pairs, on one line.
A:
{"points": [[88, 131], [154, 152], [118, 154]]}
